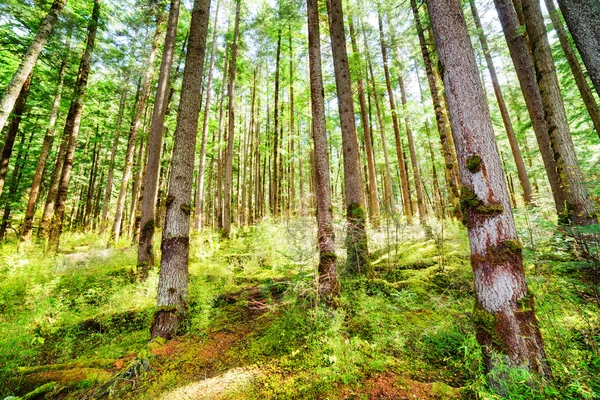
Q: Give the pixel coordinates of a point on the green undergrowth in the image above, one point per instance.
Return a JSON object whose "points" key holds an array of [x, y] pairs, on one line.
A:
{"points": [[256, 327]]}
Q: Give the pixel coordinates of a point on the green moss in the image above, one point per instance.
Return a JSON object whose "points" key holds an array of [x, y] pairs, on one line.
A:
{"points": [[328, 255], [474, 163], [470, 201], [186, 208], [357, 211], [514, 245], [148, 226]]}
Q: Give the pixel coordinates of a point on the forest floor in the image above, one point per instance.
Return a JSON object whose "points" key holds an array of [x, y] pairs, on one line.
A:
{"points": [[76, 325]]}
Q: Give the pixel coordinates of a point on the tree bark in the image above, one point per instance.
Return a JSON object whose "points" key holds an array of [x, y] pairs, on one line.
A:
{"points": [[583, 20], [29, 59], [504, 312], [356, 237], [275, 180], [510, 132], [578, 208], [584, 89], [146, 244], [72, 128], [228, 181]]}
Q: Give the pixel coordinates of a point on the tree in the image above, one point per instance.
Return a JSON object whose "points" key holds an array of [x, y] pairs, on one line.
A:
{"points": [[356, 237], [147, 221], [328, 278], [583, 20], [504, 312], [578, 208], [29, 59], [173, 279], [72, 126]]}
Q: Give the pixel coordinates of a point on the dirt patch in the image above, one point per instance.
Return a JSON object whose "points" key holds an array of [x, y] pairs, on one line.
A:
{"points": [[394, 387]]}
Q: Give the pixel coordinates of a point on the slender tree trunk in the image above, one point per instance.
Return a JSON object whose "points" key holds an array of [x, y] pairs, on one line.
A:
{"points": [[72, 128], [228, 181], [580, 80], [510, 132], [504, 312], [329, 286], [583, 20], [134, 212], [406, 203], [172, 295], [12, 130], [92, 179], [292, 165], [275, 179], [113, 154], [202, 162], [443, 125], [578, 208], [356, 238], [372, 179], [146, 244], [521, 57], [24, 70]]}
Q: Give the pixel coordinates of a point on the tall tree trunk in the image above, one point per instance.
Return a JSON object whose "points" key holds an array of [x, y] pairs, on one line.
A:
{"points": [[202, 162], [134, 131], [443, 125], [92, 179], [406, 201], [275, 180], [113, 154], [413, 155], [356, 237], [24, 70], [504, 312], [583, 20], [12, 130], [329, 286], [372, 179], [146, 244], [578, 208], [292, 165], [584, 89], [228, 181], [172, 295], [521, 57], [510, 132], [72, 128]]}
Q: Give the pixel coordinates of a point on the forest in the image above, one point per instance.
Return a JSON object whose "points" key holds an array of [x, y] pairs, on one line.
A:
{"points": [[288, 199]]}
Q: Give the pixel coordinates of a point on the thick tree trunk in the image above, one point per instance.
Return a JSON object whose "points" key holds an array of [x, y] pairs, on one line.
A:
{"points": [[521, 57], [173, 279], [12, 130], [202, 163], [510, 132], [443, 125], [504, 312], [329, 286], [228, 181], [72, 128], [406, 200], [578, 208], [583, 20], [133, 133], [146, 244], [356, 237], [580, 80], [24, 70], [372, 179]]}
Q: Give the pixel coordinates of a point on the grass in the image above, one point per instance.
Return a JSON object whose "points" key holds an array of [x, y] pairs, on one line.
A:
{"points": [[256, 328]]}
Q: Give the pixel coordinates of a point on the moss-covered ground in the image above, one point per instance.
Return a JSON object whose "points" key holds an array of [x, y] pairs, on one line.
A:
{"points": [[257, 331]]}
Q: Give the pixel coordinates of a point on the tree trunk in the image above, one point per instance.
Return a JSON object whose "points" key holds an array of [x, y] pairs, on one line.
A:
{"points": [[72, 128], [356, 237], [583, 20], [510, 132], [171, 301], [146, 244], [228, 181], [443, 127], [406, 200], [504, 312], [24, 70], [329, 286], [578, 208], [521, 57], [275, 179], [12, 130], [580, 80]]}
